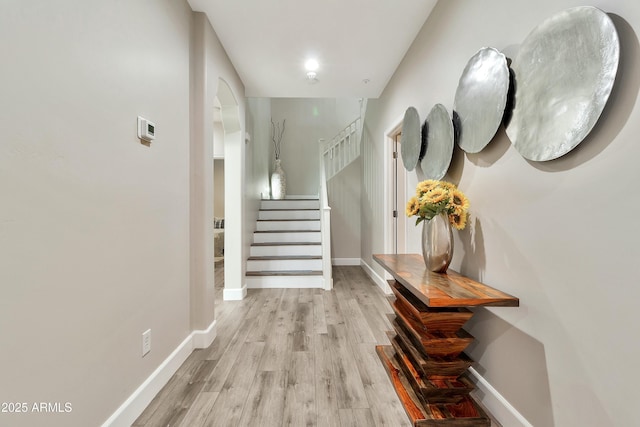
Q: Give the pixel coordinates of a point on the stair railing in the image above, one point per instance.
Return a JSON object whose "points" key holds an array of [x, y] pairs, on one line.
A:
{"points": [[325, 227], [342, 149]]}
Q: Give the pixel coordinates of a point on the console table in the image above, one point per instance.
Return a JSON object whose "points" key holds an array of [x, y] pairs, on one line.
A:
{"points": [[426, 361]]}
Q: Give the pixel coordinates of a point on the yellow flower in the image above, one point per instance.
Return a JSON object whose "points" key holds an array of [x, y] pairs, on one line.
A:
{"points": [[459, 221], [435, 197], [413, 207], [459, 200], [425, 186], [447, 185]]}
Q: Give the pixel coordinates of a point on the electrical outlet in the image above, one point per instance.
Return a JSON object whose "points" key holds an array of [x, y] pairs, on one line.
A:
{"points": [[146, 342]]}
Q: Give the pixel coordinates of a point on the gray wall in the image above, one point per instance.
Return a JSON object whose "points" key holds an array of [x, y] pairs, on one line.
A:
{"points": [[257, 162], [560, 235], [344, 200], [95, 226], [308, 120], [258, 121]]}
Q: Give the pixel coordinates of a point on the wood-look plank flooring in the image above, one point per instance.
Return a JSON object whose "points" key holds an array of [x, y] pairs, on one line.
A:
{"points": [[288, 357]]}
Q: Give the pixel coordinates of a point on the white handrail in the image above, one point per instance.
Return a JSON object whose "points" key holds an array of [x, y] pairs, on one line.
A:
{"points": [[342, 149], [335, 156], [325, 225]]}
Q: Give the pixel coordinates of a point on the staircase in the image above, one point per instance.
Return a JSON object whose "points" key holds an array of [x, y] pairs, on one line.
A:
{"points": [[287, 245], [343, 148], [292, 242]]}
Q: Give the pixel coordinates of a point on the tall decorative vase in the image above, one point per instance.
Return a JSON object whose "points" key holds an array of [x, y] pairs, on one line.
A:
{"points": [[437, 243], [278, 182]]}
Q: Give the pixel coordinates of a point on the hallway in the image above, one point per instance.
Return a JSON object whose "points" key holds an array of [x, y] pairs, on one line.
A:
{"points": [[288, 357]]}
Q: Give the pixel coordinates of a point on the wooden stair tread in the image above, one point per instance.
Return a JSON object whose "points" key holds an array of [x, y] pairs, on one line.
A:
{"points": [[285, 273], [287, 244], [288, 209], [287, 219], [286, 231], [283, 257], [291, 199]]}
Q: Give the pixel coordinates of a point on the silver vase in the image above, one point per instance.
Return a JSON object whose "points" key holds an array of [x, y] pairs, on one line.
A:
{"points": [[437, 243], [278, 182]]}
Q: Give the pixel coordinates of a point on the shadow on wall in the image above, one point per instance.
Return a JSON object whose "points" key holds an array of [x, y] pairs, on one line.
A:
{"points": [[511, 360], [474, 258], [525, 352]]}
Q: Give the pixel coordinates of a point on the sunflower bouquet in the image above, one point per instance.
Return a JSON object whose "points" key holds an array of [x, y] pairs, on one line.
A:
{"points": [[435, 197]]}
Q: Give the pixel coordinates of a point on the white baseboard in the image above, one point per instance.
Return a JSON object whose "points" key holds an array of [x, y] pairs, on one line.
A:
{"points": [[203, 339], [285, 282], [496, 404], [131, 409], [345, 261], [237, 294], [382, 284]]}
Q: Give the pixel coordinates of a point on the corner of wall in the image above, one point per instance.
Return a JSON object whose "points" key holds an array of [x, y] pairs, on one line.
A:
{"points": [[382, 284], [235, 294], [495, 403]]}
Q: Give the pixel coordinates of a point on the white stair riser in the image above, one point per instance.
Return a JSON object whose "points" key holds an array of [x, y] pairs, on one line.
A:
{"points": [[288, 225], [287, 250], [254, 282], [289, 204], [311, 236], [290, 214], [284, 265]]}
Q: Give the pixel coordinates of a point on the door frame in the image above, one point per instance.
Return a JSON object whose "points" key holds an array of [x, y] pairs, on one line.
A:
{"points": [[387, 215]]}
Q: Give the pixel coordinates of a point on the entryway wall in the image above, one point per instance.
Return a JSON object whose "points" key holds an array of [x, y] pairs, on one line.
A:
{"points": [[564, 357], [213, 78]]}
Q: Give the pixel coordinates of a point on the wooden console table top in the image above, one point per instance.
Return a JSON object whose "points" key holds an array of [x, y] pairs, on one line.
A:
{"points": [[442, 290]]}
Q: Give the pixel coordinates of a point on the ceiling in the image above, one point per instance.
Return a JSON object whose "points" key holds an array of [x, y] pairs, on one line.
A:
{"points": [[358, 43]]}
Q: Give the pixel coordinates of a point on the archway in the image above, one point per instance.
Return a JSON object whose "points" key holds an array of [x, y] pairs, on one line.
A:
{"points": [[234, 178]]}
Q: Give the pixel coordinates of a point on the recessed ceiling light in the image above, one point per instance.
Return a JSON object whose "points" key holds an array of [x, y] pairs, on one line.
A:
{"points": [[311, 64]]}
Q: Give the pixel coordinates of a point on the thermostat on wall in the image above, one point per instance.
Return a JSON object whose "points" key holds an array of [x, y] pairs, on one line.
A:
{"points": [[146, 129]]}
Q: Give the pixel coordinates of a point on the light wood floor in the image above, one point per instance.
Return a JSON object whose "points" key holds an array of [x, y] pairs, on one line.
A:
{"points": [[288, 357]]}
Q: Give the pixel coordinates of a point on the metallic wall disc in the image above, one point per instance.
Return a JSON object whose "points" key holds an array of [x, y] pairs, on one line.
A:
{"points": [[564, 73], [410, 140], [481, 98], [439, 137]]}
